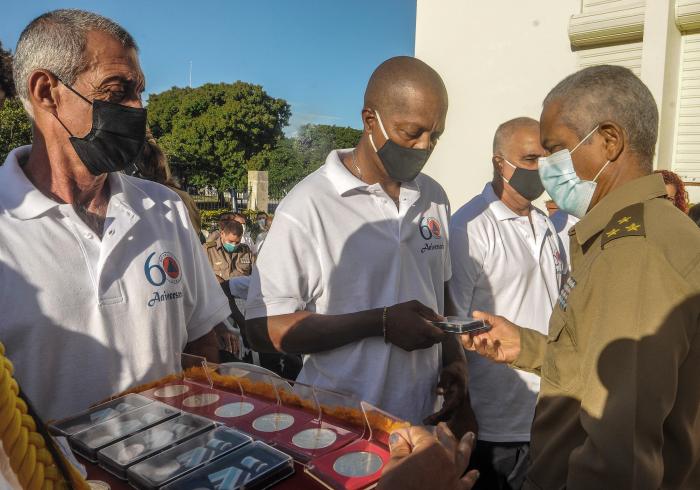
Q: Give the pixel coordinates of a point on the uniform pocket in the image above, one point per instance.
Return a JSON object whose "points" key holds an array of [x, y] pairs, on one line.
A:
{"points": [[561, 362]]}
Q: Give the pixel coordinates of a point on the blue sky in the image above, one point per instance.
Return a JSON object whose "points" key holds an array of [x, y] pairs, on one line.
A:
{"points": [[316, 54]]}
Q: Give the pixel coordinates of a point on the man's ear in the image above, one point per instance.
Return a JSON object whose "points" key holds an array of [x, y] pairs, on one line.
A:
{"points": [[43, 91], [497, 164], [614, 139], [369, 119]]}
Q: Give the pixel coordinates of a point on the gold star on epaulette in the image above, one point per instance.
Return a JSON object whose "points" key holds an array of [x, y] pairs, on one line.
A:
{"points": [[612, 232], [624, 220], [633, 227]]}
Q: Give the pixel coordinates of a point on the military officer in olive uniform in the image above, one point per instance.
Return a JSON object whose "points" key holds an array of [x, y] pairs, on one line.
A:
{"points": [[227, 255], [619, 405]]}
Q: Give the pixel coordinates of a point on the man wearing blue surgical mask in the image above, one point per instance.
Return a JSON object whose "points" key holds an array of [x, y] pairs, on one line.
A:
{"points": [[619, 404], [228, 255], [362, 259]]}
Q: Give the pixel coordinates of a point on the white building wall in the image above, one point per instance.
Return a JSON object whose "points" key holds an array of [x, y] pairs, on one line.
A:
{"points": [[500, 58]]}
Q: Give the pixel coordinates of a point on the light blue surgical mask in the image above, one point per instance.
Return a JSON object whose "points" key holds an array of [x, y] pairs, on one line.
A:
{"points": [[571, 193], [230, 247]]}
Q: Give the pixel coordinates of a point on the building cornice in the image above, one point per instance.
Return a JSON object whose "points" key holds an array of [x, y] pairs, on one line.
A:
{"points": [[688, 15], [620, 24]]}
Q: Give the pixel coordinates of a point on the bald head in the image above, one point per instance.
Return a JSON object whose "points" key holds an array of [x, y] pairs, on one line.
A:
{"points": [[398, 80], [506, 131]]}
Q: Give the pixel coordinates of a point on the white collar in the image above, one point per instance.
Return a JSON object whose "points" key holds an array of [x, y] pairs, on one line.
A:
{"points": [[24, 201], [497, 207], [345, 181]]}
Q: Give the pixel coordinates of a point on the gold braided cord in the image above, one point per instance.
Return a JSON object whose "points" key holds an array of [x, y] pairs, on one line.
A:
{"points": [[31, 461]]}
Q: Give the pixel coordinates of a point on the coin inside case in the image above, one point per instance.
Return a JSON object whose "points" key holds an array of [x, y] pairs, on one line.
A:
{"points": [[91, 440], [98, 414], [256, 465], [119, 456], [353, 467], [316, 438], [182, 459]]}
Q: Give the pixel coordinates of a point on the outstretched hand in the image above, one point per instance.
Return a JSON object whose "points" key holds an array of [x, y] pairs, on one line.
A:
{"points": [[500, 344]]}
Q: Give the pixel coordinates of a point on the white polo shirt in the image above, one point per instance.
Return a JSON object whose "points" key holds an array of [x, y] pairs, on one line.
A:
{"points": [[500, 266], [83, 317], [338, 245]]}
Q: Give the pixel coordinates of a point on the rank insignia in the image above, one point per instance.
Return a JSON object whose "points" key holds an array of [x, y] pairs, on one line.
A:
{"points": [[626, 222]]}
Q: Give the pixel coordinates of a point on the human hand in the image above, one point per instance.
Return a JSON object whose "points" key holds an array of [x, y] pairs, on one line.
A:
{"points": [[421, 460], [456, 409], [500, 344], [228, 340], [408, 326]]}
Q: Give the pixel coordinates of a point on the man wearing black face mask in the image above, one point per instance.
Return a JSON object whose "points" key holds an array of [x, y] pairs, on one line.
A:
{"points": [[116, 284], [363, 258], [506, 257]]}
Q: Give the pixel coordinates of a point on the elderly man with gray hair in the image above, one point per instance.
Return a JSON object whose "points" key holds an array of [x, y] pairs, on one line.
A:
{"points": [[619, 403], [103, 281]]}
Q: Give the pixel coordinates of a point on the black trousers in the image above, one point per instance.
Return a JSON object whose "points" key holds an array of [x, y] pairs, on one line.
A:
{"points": [[501, 465]]}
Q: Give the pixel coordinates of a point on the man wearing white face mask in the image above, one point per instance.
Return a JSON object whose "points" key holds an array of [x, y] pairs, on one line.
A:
{"points": [[619, 403], [363, 258], [506, 258]]}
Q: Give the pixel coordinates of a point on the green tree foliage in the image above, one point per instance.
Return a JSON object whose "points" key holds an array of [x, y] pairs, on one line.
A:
{"points": [[213, 132], [15, 127], [316, 141], [7, 85], [292, 159]]}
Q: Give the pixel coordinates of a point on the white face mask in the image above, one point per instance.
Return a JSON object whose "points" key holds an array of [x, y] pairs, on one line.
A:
{"points": [[571, 193], [261, 223]]}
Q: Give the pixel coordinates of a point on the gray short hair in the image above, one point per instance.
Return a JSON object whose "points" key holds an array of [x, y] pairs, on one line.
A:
{"points": [[55, 41], [614, 93], [506, 130]]}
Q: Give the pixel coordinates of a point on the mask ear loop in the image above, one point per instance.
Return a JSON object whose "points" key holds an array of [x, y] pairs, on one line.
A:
{"points": [[502, 176], [381, 126], [584, 139], [76, 93], [601, 170]]}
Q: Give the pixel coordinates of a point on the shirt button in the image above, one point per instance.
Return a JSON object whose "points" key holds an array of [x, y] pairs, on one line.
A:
{"points": [[88, 236], [110, 232]]}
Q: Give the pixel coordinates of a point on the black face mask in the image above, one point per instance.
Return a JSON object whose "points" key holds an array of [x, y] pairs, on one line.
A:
{"points": [[116, 140], [401, 164], [527, 183]]}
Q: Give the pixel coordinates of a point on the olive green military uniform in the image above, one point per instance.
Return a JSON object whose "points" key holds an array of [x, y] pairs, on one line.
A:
{"points": [[619, 403], [227, 265]]}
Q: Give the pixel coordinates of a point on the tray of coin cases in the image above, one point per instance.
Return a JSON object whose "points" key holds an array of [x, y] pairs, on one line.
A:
{"points": [[254, 466], [101, 413], [184, 458], [118, 457], [89, 441]]}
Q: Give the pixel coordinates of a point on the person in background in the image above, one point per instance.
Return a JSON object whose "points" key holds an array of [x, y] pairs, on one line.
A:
{"points": [[619, 403], [264, 222], [506, 258], [694, 213], [247, 239], [228, 256], [563, 222], [361, 259], [675, 189], [98, 269], [153, 166]]}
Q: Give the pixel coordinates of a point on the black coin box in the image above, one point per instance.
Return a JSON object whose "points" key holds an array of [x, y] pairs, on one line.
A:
{"points": [[165, 467], [119, 456], [255, 466], [89, 441], [96, 415]]}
